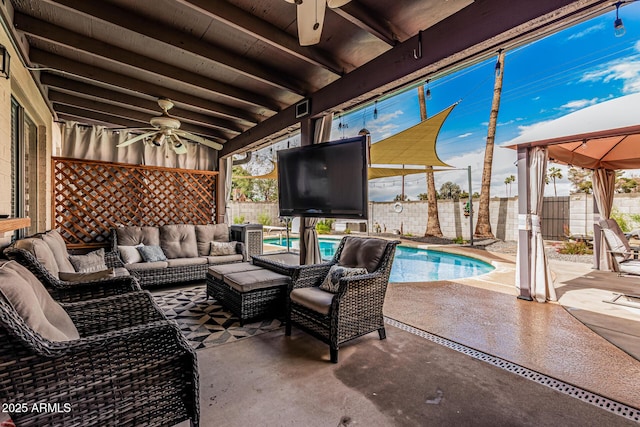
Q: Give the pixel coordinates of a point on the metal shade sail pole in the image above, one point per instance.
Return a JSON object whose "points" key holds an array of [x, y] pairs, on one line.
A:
{"points": [[470, 207]]}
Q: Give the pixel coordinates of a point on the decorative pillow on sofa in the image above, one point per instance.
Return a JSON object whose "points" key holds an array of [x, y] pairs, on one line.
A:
{"points": [[88, 263], [222, 248], [336, 272], [152, 253], [130, 254]]}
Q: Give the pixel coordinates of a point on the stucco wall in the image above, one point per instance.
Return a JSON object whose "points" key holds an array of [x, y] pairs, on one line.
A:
{"points": [[21, 86]]}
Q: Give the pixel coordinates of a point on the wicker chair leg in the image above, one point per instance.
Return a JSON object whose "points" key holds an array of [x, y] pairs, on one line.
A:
{"points": [[382, 333], [334, 355]]}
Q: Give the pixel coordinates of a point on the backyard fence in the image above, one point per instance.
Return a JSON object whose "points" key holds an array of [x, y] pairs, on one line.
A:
{"points": [[91, 197]]}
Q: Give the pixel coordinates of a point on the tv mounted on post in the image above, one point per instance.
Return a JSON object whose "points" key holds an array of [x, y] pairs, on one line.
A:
{"points": [[327, 180]]}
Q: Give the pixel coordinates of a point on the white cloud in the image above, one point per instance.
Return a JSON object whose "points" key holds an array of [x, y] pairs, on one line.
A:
{"points": [[586, 31], [465, 135], [626, 70], [578, 104]]}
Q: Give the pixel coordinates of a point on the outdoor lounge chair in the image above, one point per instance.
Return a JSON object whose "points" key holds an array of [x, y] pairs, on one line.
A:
{"points": [[109, 361], [353, 305], [45, 268], [622, 254]]}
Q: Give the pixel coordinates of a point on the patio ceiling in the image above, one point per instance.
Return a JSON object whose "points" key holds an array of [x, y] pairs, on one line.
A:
{"points": [[235, 69]]}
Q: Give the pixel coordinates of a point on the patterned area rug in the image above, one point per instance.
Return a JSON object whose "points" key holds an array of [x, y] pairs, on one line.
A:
{"points": [[204, 322]]}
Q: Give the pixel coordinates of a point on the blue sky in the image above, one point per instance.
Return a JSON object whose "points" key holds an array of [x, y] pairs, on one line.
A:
{"points": [[577, 67], [547, 79]]}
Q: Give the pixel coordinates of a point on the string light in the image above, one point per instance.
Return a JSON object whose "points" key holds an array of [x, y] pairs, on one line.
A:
{"points": [[375, 110]]}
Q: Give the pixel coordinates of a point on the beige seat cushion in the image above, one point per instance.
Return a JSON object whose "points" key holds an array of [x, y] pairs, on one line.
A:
{"points": [[206, 233], [362, 252], [59, 248], [33, 303], [147, 265], [39, 249], [223, 259], [219, 271], [88, 276], [179, 241], [184, 262], [247, 281], [313, 298]]}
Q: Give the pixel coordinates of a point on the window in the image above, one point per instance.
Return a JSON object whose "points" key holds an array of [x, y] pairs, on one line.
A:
{"points": [[24, 167]]}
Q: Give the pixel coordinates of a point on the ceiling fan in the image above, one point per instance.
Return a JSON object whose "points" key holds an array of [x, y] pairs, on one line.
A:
{"points": [[310, 17], [167, 130]]}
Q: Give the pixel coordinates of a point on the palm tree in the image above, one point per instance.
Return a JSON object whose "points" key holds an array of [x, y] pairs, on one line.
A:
{"points": [[483, 226], [507, 182], [554, 173], [433, 220]]}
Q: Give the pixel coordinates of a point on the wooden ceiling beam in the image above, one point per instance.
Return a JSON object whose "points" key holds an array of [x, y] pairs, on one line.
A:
{"points": [[97, 92], [452, 42], [93, 116], [124, 18], [77, 42], [241, 20], [355, 13], [127, 113], [90, 72]]}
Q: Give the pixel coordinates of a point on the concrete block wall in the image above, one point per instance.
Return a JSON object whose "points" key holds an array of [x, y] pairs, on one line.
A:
{"points": [[503, 215]]}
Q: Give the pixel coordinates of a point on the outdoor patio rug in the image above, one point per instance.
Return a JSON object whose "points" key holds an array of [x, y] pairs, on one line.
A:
{"points": [[204, 322]]}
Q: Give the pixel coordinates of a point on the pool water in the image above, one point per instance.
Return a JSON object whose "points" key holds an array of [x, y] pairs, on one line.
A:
{"points": [[411, 264]]}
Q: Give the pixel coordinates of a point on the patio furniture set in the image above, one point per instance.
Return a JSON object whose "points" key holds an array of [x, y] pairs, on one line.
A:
{"points": [[102, 349]]}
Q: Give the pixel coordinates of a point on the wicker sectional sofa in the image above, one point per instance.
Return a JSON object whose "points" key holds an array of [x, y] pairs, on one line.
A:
{"points": [[187, 248]]}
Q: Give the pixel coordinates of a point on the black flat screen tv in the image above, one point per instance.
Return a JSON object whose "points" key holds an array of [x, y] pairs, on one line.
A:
{"points": [[327, 180]]}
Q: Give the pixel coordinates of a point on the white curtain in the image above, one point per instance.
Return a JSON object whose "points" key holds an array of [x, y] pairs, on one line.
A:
{"points": [[604, 184], [228, 183], [542, 288], [99, 143]]}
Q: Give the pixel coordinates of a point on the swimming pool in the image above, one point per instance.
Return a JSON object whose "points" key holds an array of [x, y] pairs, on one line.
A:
{"points": [[411, 264]]}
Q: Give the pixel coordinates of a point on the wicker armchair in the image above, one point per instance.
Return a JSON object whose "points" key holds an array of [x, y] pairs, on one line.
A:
{"points": [[131, 366], [74, 291], [356, 308]]}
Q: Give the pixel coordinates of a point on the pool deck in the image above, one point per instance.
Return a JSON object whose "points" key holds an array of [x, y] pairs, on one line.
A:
{"points": [[581, 339]]}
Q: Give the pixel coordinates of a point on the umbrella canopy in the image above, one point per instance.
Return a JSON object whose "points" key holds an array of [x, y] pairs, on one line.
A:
{"points": [[605, 135], [413, 146]]}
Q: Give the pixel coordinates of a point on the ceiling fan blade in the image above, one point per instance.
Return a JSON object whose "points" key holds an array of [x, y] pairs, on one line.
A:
{"points": [[136, 139], [310, 16], [200, 140], [177, 145], [337, 3]]}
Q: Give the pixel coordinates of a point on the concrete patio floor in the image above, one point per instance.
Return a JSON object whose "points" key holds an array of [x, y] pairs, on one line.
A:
{"points": [[408, 380]]}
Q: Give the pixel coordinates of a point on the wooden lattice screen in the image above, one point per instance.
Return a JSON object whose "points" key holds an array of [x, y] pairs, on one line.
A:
{"points": [[91, 197]]}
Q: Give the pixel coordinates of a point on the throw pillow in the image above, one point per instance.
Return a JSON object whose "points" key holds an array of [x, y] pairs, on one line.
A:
{"points": [[152, 253], [87, 277], [336, 272], [88, 263], [130, 254], [222, 248]]}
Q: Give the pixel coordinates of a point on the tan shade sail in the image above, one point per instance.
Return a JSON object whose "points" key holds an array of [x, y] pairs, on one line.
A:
{"points": [[605, 135], [375, 173], [413, 146]]}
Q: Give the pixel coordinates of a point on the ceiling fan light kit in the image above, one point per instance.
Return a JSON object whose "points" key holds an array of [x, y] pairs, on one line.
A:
{"points": [[167, 128], [310, 17]]}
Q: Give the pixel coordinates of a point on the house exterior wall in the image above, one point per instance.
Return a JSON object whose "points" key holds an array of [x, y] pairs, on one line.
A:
{"points": [[22, 87]]}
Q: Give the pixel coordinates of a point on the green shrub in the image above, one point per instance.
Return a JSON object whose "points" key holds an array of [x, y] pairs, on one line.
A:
{"points": [[578, 247], [621, 219], [459, 240], [264, 218], [324, 226], [238, 219]]}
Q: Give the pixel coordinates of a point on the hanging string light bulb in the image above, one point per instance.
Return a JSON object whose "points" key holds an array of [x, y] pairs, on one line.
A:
{"points": [[428, 94], [375, 110]]}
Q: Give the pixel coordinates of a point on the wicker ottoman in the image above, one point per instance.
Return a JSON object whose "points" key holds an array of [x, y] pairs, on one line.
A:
{"points": [[252, 293], [215, 277]]}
